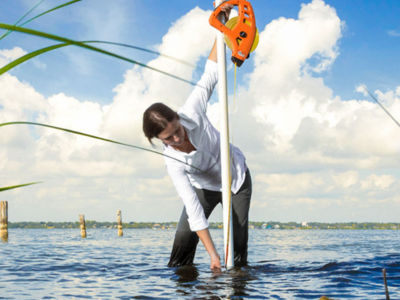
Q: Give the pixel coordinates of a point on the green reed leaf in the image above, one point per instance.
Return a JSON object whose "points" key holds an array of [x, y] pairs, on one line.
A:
{"points": [[39, 15], [17, 186], [98, 138], [83, 45], [50, 10], [28, 56], [145, 50], [9, 31]]}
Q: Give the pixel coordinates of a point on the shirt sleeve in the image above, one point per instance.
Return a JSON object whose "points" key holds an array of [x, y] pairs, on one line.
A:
{"points": [[202, 92], [194, 210]]}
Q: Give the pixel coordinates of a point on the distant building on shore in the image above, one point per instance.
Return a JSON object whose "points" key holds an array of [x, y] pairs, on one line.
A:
{"points": [[157, 226]]}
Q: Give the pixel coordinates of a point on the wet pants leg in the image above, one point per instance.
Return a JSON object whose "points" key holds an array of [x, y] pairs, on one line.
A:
{"points": [[240, 221], [185, 243]]}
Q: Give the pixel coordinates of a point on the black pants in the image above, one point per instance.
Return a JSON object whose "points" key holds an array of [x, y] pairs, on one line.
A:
{"points": [[185, 243]]}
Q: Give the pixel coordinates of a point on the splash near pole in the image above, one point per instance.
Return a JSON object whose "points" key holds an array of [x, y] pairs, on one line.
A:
{"points": [[225, 157]]}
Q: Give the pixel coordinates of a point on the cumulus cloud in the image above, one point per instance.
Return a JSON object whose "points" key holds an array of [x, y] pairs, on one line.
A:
{"points": [[307, 149], [295, 124], [282, 92], [57, 157], [8, 55], [297, 111], [142, 87], [362, 88]]}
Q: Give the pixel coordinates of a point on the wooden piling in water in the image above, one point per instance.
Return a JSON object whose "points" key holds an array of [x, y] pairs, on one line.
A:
{"points": [[83, 225], [4, 220], [119, 221], [386, 286]]}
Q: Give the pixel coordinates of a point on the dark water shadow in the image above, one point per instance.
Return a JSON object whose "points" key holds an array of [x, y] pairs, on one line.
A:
{"points": [[186, 274], [225, 284]]}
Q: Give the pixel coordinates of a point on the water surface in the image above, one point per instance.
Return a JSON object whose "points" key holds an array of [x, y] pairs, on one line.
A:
{"points": [[284, 264]]}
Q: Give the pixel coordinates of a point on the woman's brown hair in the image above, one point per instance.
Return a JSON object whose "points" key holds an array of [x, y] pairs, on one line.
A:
{"points": [[156, 119]]}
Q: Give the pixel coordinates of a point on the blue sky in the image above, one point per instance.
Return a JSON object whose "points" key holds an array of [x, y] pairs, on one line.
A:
{"points": [[367, 49], [319, 149]]}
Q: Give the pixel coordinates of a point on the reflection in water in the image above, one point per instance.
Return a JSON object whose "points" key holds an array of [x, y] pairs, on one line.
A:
{"points": [[186, 277], [211, 285], [239, 277], [186, 274]]}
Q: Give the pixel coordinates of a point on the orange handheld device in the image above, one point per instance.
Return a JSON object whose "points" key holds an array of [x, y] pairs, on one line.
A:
{"points": [[241, 34]]}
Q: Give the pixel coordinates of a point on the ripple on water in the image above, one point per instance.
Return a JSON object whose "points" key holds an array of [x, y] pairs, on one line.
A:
{"points": [[284, 264]]}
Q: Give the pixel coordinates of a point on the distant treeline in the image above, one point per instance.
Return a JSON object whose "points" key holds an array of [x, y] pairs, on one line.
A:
{"points": [[213, 225]]}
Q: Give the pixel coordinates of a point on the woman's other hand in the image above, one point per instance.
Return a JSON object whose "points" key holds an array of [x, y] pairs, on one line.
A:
{"points": [[226, 8]]}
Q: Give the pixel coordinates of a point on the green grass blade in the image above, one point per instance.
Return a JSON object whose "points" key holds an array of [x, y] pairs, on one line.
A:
{"points": [[17, 186], [98, 138], [39, 15], [29, 56], [83, 45], [9, 31], [50, 10], [144, 50]]}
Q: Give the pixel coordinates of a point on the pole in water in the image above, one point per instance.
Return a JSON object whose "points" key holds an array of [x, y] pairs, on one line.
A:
{"points": [[225, 157], [119, 220], [386, 287], [4, 220], [83, 225]]}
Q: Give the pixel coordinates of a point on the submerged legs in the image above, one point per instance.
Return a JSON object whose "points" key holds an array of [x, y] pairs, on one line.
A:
{"points": [[185, 242]]}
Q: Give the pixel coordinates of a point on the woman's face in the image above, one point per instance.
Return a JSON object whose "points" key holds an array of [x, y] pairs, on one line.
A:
{"points": [[173, 135]]}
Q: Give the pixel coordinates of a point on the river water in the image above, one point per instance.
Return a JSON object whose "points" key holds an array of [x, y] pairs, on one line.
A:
{"points": [[283, 264]]}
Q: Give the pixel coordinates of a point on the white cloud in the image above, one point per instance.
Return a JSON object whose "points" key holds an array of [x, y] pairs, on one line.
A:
{"points": [[362, 88], [8, 55], [58, 157], [324, 184], [294, 112], [312, 155], [393, 33], [143, 87], [281, 93]]}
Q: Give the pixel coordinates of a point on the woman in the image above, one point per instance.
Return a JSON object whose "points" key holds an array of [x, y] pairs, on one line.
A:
{"points": [[192, 149]]}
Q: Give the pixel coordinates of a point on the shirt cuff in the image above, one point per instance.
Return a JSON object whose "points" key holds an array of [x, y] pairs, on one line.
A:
{"points": [[199, 225]]}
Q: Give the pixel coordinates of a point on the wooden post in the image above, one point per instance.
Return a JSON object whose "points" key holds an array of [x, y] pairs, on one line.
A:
{"points": [[83, 225], [4, 220], [119, 220], [385, 282]]}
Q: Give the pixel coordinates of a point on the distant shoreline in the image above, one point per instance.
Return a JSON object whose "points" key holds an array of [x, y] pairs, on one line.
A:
{"points": [[213, 225]]}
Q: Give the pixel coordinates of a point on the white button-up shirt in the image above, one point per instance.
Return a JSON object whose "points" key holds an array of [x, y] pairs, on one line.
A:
{"points": [[203, 166]]}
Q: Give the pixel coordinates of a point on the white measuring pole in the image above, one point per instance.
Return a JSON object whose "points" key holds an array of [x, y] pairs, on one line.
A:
{"points": [[225, 157]]}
